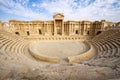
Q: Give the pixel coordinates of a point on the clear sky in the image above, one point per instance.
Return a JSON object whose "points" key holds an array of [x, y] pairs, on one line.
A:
{"points": [[72, 9]]}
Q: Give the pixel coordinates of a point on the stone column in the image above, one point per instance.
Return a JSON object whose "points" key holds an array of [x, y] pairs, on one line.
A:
{"points": [[62, 27], [43, 28], [79, 29], [85, 29], [47, 28], [55, 28], [37, 29], [69, 28], [52, 27]]}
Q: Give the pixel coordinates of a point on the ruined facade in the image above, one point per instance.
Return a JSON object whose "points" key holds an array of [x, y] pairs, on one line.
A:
{"points": [[58, 28]]}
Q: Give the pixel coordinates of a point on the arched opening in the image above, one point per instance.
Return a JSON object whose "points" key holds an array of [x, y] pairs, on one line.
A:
{"points": [[28, 33], [88, 32], [17, 33], [40, 32], [76, 31], [99, 32]]}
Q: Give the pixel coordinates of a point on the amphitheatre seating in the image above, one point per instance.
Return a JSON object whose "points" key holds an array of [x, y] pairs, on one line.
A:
{"points": [[12, 45], [108, 47], [14, 53]]}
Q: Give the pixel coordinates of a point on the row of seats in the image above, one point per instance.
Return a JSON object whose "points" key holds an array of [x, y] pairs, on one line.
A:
{"points": [[107, 44], [106, 34], [13, 48], [14, 55], [108, 49]]}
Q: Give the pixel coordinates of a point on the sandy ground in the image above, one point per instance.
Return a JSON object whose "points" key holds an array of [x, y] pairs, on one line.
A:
{"points": [[60, 49]]}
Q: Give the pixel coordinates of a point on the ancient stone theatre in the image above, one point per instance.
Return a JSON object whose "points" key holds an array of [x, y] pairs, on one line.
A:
{"points": [[59, 50], [58, 29]]}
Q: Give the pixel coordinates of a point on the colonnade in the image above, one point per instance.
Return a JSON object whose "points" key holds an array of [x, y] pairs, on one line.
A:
{"points": [[50, 28]]}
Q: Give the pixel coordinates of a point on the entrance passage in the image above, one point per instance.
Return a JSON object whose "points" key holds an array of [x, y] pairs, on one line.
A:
{"points": [[58, 26], [99, 32]]}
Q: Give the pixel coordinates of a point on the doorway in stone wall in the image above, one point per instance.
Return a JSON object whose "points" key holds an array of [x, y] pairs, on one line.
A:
{"points": [[88, 32], [17, 33], [98, 32], [28, 33], [58, 27], [76, 32], [40, 32]]}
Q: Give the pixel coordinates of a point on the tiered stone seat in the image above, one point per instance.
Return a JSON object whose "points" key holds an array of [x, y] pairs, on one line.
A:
{"points": [[12, 45], [108, 47], [13, 51], [106, 35]]}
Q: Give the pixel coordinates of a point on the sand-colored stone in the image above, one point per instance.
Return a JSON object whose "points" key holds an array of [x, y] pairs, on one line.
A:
{"points": [[61, 55], [48, 30]]}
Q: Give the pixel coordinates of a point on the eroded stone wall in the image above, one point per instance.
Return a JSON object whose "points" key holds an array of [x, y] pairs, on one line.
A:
{"points": [[64, 30]]}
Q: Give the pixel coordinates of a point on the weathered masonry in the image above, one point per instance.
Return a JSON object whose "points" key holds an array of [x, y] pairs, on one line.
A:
{"points": [[57, 29]]}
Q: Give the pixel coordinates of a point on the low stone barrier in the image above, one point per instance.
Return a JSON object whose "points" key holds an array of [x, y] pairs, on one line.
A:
{"points": [[53, 38], [41, 57], [82, 57]]}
